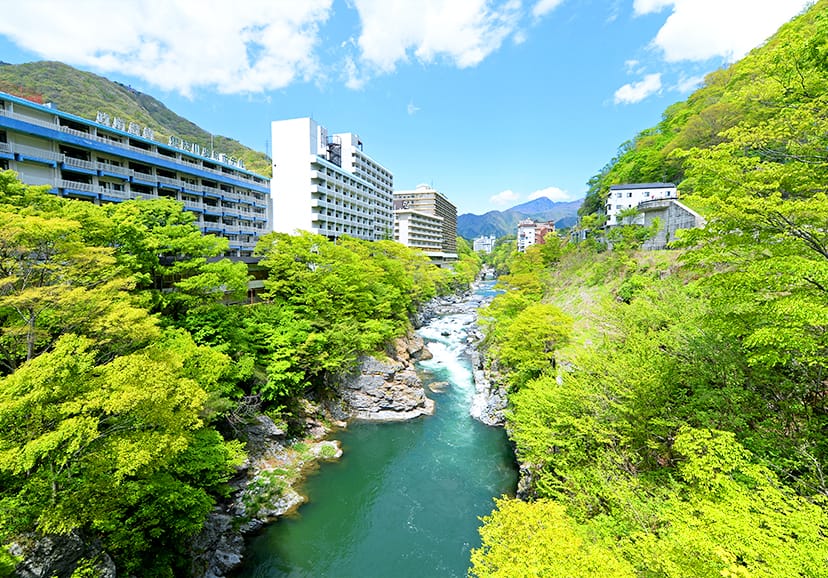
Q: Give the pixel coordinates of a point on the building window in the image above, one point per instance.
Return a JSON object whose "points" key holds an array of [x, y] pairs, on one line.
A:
{"points": [[618, 195]]}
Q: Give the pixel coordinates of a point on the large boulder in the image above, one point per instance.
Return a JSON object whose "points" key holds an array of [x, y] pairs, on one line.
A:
{"points": [[388, 388]]}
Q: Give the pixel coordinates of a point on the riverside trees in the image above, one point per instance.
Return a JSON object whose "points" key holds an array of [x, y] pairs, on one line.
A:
{"points": [[671, 441], [121, 366]]}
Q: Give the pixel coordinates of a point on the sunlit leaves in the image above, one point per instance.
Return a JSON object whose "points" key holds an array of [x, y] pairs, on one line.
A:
{"points": [[539, 539]]}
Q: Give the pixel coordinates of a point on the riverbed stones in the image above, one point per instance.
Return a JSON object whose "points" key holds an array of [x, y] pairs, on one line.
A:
{"points": [[438, 386]]}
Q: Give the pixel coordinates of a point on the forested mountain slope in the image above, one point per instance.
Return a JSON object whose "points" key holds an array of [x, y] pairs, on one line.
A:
{"points": [[669, 408], [84, 94], [502, 223], [750, 110]]}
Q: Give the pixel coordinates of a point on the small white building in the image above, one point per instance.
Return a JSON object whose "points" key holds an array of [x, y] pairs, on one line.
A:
{"points": [[419, 230], [525, 234], [484, 244], [622, 197]]}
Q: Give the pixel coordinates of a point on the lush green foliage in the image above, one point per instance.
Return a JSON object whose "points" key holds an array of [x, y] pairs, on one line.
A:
{"points": [[120, 360], [103, 413], [684, 433], [325, 305]]}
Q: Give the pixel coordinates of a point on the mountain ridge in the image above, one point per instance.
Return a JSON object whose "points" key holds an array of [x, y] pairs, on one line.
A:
{"points": [[502, 223]]}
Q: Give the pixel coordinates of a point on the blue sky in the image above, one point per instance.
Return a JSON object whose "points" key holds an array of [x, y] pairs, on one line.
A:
{"points": [[492, 102]]}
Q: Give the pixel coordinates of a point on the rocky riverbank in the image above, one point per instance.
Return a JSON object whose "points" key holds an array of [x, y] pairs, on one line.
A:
{"points": [[381, 388], [385, 389]]}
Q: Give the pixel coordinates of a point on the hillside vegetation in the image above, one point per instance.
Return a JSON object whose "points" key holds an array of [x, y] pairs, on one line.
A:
{"points": [[670, 408], [126, 377], [84, 94], [767, 111]]}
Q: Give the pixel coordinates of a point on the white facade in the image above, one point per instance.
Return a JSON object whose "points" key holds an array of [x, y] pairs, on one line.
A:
{"points": [[325, 184], [419, 230], [525, 234], [425, 199], [484, 244], [622, 197]]}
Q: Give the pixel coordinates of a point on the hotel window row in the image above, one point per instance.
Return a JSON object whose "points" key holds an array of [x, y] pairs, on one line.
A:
{"points": [[82, 159]]}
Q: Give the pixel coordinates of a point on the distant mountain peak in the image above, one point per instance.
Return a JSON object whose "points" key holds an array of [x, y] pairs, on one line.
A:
{"points": [[535, 206], [502, 223]]}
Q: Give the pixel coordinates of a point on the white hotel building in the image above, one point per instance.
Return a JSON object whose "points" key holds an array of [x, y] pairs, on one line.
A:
{"points": [[326, 184]]}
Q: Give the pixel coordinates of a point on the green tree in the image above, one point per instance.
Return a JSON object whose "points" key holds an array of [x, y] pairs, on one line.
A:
{"points": [[521, 540], [54, 281], [104, 446], [528, 345], [160, 244]]}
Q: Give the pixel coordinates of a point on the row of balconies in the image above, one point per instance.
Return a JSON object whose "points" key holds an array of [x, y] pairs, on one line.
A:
{"points": [[359, 232], [114, 142], [358, 183], [341, 196], [342, 220], [108, 193], [107, 169]]}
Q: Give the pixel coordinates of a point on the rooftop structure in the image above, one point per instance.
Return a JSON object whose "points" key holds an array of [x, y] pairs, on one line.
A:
{"points": [[107, 161], [327, 185]]}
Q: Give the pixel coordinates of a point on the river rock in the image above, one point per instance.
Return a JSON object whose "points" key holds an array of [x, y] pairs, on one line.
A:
{"points": [[438, 386], [218, 548], [384, 390], [48, 556]]}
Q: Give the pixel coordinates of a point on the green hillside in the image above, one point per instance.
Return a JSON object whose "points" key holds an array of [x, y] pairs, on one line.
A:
{"points": [[84, 94], [669, 408], [750, 110]]}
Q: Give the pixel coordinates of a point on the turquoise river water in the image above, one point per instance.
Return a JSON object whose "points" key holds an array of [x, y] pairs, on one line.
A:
{"points": [[405, 498]]}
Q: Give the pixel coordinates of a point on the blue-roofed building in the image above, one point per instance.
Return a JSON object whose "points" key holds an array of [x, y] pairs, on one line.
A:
{"points": [[106, 161]]}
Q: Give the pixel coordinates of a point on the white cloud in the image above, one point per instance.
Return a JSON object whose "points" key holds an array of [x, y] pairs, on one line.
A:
{"points": [[412, 109], [553, 193], [648, 6], [701, 29], [638, 91], [544, 7], [688, 83], [504, 198], [463, 31], [179, 45]]}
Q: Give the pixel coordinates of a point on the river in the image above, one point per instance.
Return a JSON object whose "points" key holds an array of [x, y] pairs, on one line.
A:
{"points": [[405, 498]]}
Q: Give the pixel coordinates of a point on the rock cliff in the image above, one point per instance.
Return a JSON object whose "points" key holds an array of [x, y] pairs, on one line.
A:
{"points": [[386, 389]]}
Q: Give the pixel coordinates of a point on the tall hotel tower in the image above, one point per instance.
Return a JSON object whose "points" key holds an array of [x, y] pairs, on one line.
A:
{"points": [[327, 185]]}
